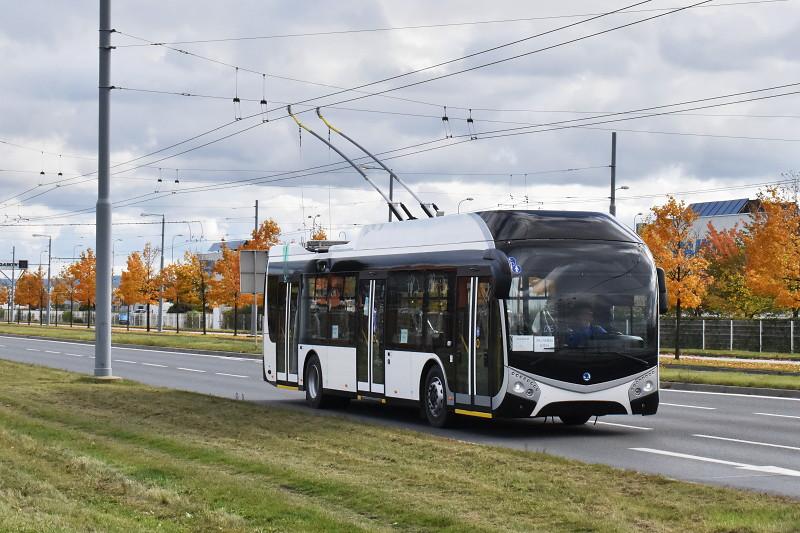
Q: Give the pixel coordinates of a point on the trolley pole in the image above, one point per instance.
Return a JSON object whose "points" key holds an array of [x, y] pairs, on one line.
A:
{"points": [[254, 307], [102, 347], [612, 208]]}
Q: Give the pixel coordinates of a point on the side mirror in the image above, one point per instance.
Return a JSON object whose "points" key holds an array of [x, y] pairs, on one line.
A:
{"points": [[501, 271], [663, 304]]}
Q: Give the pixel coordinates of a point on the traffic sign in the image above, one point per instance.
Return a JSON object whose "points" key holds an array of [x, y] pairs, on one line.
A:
{"points": [[22, 264]]}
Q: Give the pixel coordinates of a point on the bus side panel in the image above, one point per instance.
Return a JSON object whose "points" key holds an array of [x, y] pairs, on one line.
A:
{"points": [[404, 373], [341, 368], [269, 360]]}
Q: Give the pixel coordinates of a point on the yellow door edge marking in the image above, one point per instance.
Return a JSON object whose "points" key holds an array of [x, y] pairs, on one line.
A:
{"points": [[479, 414], [288, 387]]}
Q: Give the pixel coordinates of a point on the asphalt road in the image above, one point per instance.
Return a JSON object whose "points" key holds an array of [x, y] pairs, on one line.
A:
{"points": [[750, 442]]}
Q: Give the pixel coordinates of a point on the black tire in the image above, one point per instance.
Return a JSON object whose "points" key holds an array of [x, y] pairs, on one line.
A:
{"points": [[574, 420], [434, 398], [313, 384]]}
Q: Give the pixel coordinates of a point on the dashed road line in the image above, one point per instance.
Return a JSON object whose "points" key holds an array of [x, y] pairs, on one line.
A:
{"points": [[124, 361], [155, 364], [776, 415], [231, 375], [622, 425], [688, 406], [75, 354], [756, 443], [51, 351], [742, 466], [190, 369], [32, 350]]}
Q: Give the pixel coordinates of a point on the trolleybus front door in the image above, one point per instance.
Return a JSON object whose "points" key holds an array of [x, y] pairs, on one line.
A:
{"points": [[370, 348], [473, 307], [286, 343]]}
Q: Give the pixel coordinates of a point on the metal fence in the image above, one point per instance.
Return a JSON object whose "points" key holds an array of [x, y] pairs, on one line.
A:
{"points": [[721, 334]]}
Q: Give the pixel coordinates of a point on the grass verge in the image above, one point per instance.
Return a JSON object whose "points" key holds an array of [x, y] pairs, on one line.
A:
{"points": [[738, 379], [739, 354], [744, 365], [190, 341], [77, 455]]}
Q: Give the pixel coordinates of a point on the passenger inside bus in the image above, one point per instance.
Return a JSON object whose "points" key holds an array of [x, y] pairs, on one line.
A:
{"points": [[584, 327]]}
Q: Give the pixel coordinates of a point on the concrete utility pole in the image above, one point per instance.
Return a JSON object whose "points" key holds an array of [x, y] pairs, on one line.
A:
{"points": [[49, 258], [102, 346], [612, 208], [13, 266], [254, 308]]}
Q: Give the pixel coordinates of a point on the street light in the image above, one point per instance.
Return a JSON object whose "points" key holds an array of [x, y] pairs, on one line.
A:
{"points": [[113, 255], [173, 245], [161, 269], [49, 257], [613, 197], [635, 227], [469, 199]]}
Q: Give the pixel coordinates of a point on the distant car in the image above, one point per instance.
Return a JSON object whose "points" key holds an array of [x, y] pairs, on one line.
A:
{"points": [[123, 319]]}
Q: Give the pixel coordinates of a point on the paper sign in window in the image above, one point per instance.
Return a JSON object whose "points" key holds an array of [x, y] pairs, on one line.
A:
{"points": [[544, 343], [521, 343]]}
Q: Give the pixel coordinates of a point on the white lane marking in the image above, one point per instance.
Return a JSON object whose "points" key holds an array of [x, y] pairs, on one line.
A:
{"points": [[733, 394], [623, 425], [124, 361], [255, 359], [190, 369], [154, 364], [687, 406], [231, 375], [51, 351], [2, 345], [741, 466], [785, 447], [32, 350], [75, 354], [779, 416]]}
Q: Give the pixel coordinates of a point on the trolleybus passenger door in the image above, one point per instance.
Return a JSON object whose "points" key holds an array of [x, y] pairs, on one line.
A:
{"points": [[473, 363], [370, 347], [286, 343]]}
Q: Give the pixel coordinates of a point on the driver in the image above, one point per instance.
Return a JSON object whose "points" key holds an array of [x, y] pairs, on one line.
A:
{"points": [[584, 328]]}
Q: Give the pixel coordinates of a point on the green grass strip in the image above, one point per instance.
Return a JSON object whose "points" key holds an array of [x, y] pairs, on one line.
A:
{"points": [[78, 455]]}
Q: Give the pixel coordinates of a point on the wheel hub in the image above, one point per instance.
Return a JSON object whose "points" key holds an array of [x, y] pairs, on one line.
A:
{"points": [[435, 397]]}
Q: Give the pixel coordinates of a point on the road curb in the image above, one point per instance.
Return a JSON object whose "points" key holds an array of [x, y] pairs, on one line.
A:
{"points": [[139, 346], [706, 368], [731, 389]]}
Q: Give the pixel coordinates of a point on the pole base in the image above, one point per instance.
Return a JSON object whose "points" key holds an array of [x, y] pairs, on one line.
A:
{"points": [[106, 379]]}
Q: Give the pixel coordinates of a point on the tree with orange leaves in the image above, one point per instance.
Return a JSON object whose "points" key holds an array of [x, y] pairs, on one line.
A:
{"points": [[265, 237], [3, 295], [60, 294], [179, 287], [319, 234], [668, 233], [773, 249], [85, 273], [28, 291], [224, 288], [729, 293]]}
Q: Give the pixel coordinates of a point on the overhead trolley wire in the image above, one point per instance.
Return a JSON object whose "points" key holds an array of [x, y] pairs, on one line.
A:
{"points": [[422, 26]]}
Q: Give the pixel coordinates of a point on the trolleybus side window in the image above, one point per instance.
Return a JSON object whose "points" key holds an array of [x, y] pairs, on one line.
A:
{"points": [[438, 321], [342, 308], [329, 309], [404, 310]]}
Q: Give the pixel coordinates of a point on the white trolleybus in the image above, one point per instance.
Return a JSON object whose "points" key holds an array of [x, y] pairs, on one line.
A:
{"points": [[490, 314]]}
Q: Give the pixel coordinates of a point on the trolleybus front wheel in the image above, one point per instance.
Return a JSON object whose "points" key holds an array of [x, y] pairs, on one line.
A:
{"points": [[313, 382], [434, 398]]}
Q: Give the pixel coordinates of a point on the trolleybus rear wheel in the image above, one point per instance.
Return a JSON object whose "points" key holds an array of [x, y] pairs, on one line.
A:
{"points": [[314, 384]]}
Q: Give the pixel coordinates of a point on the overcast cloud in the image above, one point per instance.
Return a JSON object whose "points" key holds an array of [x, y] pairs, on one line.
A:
{"points": [[48, 94]]}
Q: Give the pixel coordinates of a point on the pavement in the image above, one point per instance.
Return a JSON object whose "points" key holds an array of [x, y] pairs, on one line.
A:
{"points": [[737, 440]]}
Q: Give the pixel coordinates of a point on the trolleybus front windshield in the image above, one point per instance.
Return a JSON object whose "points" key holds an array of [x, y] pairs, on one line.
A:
{"points": [[579, 309]]}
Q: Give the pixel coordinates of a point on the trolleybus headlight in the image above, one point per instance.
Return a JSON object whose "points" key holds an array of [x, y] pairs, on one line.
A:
{"points": [[519, 388], [644, 384]]}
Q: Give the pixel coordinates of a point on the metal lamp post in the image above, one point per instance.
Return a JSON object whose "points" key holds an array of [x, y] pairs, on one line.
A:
{"points": [[160, 322], [469, 199], [173, 245], [49, 258], [613, 197], [635, 227]]}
